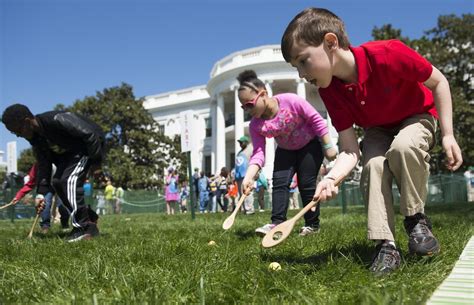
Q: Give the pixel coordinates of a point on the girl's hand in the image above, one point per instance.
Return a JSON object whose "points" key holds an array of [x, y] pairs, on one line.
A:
{"points": [[247, 185], [330, 153], [326, 190], [453, 153]]}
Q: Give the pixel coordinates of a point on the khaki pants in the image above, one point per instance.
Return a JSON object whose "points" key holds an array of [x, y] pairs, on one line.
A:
{"points": [[400, 153]]}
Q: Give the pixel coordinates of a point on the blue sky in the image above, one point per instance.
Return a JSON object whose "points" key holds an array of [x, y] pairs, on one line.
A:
{"points": [[57, 51]]}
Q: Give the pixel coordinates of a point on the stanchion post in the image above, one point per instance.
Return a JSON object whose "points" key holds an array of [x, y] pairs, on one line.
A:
{"points": [[344, 197], [191, 186]]}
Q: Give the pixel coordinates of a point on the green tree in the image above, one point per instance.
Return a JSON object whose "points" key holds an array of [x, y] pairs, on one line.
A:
{"points": [[135, 148], [26, 160], [449, 48], [386, 32]]}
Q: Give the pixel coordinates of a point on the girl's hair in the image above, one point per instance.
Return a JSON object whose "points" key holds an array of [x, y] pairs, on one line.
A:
{"points": [[224, 172], [248, 79], [309, 27]]}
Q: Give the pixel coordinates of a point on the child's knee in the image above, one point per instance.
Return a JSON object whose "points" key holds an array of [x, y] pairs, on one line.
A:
{"points": [[374, 165]]}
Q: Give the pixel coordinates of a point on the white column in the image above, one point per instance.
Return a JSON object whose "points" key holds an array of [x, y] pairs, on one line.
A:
{"points": [[301, 88], [270, 143], [220, 132], [213, 116], [239, 119]]}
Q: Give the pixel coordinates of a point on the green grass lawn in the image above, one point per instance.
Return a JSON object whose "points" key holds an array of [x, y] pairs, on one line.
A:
{"points": [[154, 258]]}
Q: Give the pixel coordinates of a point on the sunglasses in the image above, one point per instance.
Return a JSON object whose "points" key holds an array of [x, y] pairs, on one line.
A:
{"points": [[250, 104]]}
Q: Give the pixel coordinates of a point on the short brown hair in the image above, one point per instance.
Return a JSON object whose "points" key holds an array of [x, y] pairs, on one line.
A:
{"points": [[310, 26]]}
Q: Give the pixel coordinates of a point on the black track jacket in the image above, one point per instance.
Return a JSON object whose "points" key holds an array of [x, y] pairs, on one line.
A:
{"points": [[62, 135]]}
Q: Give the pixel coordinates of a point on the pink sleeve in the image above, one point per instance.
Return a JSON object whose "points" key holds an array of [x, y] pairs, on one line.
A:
{"points": [[258, 142], [316, 121]]}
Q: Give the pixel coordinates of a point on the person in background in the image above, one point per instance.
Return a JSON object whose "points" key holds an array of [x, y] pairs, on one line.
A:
{"points": [[171, 190], [89, 200], [261, 185], [241, 164], [213, 193], [469, 175], [232, 191], [101, 203], [203, 187], [184, 196], [119, 193], [30, 183], [221, 193], [294, 204], [109, 194]]}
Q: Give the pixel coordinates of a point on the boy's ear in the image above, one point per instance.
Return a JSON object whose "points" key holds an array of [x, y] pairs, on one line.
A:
{"points": [[29, 121], [330, 39]]}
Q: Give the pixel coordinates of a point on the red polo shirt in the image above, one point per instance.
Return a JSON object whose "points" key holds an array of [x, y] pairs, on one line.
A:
{"points": [[389, 88]]}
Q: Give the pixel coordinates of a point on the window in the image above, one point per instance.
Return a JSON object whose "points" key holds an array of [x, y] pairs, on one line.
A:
{"points": [[161, 129], [208, 127], [207, 165], [232, 161], [230, 120]]}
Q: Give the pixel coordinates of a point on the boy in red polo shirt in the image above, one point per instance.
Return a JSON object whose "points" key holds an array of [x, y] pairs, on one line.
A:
{"points": [[397, 96]]}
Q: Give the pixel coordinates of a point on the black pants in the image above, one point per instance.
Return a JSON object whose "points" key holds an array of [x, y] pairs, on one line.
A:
{"points": [[68, 182], [306, 163], [221, 193]]}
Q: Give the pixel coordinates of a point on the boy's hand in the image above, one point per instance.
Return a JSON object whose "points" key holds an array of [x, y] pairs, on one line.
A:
{"points": [[453, 153], [330, 153], [39, 204], [326, 190], [247, 186]]}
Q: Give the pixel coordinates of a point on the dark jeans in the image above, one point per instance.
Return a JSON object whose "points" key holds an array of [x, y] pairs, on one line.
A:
{"points": [[306, 163], [46, 214], [221, 194]]}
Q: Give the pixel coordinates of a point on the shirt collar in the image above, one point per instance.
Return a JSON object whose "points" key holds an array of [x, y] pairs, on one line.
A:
{"points": [[362, 62]]}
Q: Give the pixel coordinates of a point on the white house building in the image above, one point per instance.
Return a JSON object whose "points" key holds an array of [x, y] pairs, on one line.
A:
{"points": [[219, 119]]}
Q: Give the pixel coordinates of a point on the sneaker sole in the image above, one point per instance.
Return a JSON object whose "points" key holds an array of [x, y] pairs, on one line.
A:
{"points": [[426, 253], [261, 233], [82, 237], [306, 234]]}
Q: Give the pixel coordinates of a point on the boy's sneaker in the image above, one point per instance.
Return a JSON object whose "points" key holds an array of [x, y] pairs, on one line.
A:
{"points": [[305, 231], [263, 230], [420, 241], [76, 234], [386, 259], [92, 229], [86, 233]]}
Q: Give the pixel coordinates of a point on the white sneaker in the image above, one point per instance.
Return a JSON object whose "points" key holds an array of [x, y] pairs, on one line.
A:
{"points": [[305, 231], [261, 210], [263, 230]]}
